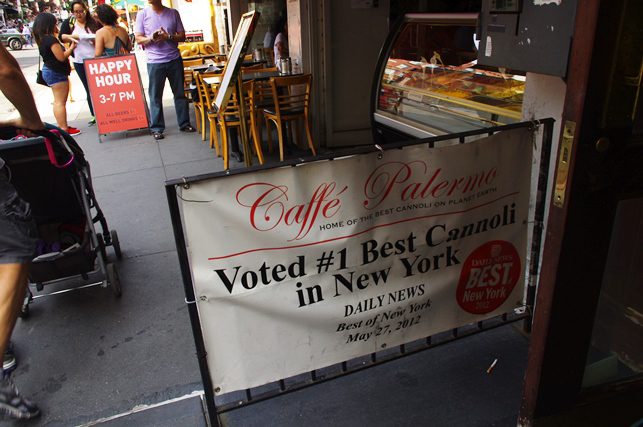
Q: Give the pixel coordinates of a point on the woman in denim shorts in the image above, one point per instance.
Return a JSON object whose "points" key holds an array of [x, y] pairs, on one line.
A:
{"points": [[56, 68]]}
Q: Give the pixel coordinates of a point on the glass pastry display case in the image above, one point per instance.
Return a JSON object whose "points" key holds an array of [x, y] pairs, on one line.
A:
{"points": [[428, 81]]}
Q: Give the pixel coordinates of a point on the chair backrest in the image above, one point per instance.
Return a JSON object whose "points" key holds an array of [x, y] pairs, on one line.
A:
{"points": [[188, 75], [230, 114], [192, 62], [251, 68], [249, 93], [259, 94], [291, 94], [206, 91], [262, 90]]}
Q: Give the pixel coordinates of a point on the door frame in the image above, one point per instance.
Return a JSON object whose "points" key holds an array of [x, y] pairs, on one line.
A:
{"points": [[571, 274]]}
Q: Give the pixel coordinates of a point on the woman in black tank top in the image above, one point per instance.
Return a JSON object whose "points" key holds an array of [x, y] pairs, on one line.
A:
{"points": [[56, 68]]}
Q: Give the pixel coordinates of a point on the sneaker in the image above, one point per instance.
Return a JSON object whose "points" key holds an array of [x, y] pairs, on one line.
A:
{"points": [[13, 405], [92, 121], [9, 362], [73, 131]]}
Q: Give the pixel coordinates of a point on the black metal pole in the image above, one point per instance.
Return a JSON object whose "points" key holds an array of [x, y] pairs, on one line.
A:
{"points": [[179, 239]]}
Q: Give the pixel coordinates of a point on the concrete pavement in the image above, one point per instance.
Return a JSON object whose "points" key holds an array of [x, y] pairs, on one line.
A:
{"points": [[89, 358]]}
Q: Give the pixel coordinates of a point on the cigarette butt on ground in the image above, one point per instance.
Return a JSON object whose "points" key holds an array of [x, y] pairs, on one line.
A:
{"points": [[493, 364]]}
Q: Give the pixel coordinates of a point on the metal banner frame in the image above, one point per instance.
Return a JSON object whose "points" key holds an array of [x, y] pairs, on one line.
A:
{"points": [[317, 376]]}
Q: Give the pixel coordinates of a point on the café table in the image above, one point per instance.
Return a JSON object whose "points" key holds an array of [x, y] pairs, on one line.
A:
{"points": [[252, 62], [197, 68], [203, 68]]}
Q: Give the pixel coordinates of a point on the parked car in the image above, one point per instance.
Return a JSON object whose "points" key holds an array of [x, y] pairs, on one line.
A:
{"points": [[12, 38]]}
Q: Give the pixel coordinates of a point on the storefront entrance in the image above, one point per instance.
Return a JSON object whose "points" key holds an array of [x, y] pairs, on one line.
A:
{"points": [[585, 362]]}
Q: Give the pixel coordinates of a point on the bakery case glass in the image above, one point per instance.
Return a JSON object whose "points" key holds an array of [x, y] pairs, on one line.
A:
{"points": [[428, 81]]}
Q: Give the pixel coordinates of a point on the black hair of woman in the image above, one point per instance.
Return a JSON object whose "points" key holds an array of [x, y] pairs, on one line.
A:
{"points": [[107, 15], [44, 24]]}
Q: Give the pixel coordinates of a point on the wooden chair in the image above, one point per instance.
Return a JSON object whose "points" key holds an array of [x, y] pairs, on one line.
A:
{"points": [[206, 95], [199, 107], [291, 96], [256, 101], [192, 62], [230, 117], [259, 97], [188, 77]]}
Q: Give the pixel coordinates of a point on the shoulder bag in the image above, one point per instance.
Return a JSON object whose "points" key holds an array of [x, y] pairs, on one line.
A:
{"points": [[39, 79]]}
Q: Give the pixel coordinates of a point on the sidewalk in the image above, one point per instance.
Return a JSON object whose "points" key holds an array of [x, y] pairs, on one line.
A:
{"points": [[86, 355], [89, 358]]}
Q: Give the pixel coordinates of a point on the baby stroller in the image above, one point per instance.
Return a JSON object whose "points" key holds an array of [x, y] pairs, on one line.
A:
{"points": [[50, 172]]}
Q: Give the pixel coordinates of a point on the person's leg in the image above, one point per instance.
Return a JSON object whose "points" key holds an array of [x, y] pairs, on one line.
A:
{"points": [[61, 91], [80, 70], [156, 73], [71, 95], [181, 105], [13, 285], [17, 246], [18, 237]]}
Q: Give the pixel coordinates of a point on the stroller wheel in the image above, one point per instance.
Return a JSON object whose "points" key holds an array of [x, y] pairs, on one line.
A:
{"points": [[114, 280], [116, 244]]}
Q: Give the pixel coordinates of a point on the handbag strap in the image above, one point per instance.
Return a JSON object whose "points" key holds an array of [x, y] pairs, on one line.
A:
{"points": [[119, 48]]}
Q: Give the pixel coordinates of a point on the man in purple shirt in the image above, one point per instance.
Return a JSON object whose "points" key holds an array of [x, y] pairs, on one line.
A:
{"points": [[159, 30]]}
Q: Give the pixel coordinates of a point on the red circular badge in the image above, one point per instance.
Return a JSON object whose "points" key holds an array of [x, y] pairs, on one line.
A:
{"points": [[488, 276]]}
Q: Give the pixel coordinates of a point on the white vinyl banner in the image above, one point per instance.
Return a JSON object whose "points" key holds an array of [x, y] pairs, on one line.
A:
{"points": [[298, 268]]}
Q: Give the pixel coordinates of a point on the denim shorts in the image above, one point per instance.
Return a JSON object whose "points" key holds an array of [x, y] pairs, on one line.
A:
{"points": [[52, 77], [18, 233]]}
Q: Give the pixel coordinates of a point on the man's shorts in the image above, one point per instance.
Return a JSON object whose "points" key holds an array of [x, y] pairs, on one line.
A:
{"points": [[18, 233]]}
